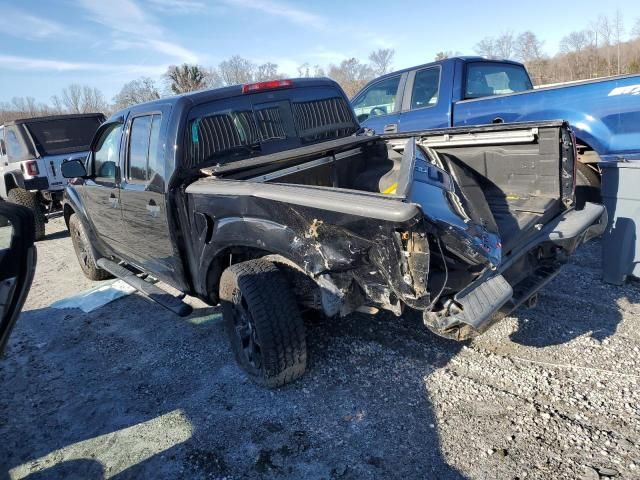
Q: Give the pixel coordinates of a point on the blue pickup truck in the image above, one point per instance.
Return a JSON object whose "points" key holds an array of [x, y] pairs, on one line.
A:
{"points": [[603, 113]]}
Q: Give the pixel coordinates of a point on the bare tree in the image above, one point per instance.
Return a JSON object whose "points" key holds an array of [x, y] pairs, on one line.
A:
{"points": [[505, 45], [605, 31], [351, 74], [79, 99], [213, 79], [267, 71], [618, 32], [236, 70], [635, 31], [186, 78], [380, 60], [136, 91], [528, 49], [486, 47]]}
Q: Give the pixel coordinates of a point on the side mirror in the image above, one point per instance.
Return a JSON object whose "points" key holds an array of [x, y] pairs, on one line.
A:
{"points": [[73, 169]]}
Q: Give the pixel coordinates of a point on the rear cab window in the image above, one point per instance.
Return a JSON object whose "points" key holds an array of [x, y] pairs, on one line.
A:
{"points": [[256, 124], [484, 79], [66, 135]]}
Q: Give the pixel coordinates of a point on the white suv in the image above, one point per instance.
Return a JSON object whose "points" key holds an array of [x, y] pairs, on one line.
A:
{"points": [[32, 151]]}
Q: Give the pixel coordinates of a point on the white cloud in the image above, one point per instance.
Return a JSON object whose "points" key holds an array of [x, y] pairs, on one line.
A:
{"points": [[178, 6], [13, 62], [126, 19], [280, 9], [24, 25]]}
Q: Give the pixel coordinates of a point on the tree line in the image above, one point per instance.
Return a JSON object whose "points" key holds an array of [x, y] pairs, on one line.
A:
{"points": [[602, 48]]}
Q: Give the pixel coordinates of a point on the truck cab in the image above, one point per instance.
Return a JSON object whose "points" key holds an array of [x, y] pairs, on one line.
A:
{"points": [[423, 97]]}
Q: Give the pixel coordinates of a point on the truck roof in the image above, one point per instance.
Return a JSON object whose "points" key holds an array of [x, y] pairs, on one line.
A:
{"points": [[208, 95], [459, 58], [48, 118]]}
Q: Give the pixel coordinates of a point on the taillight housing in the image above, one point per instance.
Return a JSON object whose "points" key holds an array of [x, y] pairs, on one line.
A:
{"points": [[268, 85], [32, 168]]}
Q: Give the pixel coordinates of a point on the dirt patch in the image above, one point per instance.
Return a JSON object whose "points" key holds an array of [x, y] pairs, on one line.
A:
{"points": [[132, 391]]}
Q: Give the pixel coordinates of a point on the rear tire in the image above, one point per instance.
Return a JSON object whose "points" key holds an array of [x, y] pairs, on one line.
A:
{"points": [[587, 185], [23, 197], [263, 322], [83, 250]]}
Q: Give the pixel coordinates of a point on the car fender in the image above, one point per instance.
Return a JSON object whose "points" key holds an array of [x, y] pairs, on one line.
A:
{"points": [[72, 204], [250, 233], [11, 180]]}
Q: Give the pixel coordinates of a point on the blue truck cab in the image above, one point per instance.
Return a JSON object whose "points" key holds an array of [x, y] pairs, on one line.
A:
{"points": [[604, 113]]}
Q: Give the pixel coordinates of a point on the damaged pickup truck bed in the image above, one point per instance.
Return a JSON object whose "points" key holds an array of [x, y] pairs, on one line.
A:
{"points": [[271, 200]]}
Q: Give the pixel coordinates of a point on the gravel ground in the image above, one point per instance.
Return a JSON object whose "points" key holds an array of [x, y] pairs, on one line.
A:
{"points": [[131, 391]]}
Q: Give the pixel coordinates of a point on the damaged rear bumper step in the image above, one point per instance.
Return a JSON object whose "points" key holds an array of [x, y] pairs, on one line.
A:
{"points": [[149, 290]]}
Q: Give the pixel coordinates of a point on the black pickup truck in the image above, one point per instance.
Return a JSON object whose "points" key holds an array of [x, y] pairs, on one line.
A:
{"points": [[270, 199]]}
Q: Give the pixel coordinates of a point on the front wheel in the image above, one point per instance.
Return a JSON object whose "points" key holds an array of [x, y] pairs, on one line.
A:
{"points": [[83, 250], [263, 322], [23, 197]]}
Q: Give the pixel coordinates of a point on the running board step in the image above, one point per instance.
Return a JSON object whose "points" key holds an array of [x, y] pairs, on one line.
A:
{"points": [[149, 290], [480, 303]]}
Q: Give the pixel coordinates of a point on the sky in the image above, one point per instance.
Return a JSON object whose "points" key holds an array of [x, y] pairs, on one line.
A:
{"points": [[47, 45]]}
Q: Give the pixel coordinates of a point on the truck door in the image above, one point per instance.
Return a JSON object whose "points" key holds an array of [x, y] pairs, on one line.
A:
{"points": [[425, 104], [101, 192], [143, 190], [378, 106]]}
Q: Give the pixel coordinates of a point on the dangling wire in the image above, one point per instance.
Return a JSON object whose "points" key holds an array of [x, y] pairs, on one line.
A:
{"points": [[446, 277]]}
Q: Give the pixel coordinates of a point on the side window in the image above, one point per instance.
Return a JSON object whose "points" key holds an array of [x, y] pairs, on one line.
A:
{"points": [[486, 78], [15, 148], [3, 149], [377, 99], [106, 154], [145, 156], [425, 88]]}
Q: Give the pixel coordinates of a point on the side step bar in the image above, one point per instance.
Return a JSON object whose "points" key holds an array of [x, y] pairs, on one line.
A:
{"points": [[149, 290]]}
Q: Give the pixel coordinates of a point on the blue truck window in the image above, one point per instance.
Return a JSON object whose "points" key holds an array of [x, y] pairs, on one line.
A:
{"points": [[425, 88], [485, 79], [377, 99]]}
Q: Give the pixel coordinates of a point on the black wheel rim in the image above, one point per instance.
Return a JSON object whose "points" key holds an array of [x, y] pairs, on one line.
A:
{"points": [[83, 255], [246, 332]]}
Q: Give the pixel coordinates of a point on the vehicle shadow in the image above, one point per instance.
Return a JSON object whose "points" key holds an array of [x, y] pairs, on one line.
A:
{"points": [[578, 288], [360, 411], [56, 235]]}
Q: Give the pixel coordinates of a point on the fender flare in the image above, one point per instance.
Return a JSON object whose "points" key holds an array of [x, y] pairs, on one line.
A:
{"points": [[11, 180], [72, 205], [253, 234]]}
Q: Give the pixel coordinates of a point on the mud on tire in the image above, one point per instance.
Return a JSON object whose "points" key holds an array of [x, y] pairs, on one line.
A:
{"points": [[23, 197], [84, 254], [263, 322]]}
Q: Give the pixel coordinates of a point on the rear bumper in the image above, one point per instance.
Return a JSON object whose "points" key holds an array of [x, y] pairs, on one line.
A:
{"points": [[577, 226], [478, 307]]}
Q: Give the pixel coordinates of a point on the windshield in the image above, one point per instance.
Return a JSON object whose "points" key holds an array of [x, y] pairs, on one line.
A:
{"points": [[247, 126], [485, 79], [64, 135]]}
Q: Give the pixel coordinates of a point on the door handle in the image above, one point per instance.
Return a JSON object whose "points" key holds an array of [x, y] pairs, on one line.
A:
{"points": [[390, 128], [498, 120], [113, 200]]}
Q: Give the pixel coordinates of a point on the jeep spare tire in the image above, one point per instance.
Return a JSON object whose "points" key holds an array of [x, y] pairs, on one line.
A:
{"points": [[23, 197], [263, 322]]}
